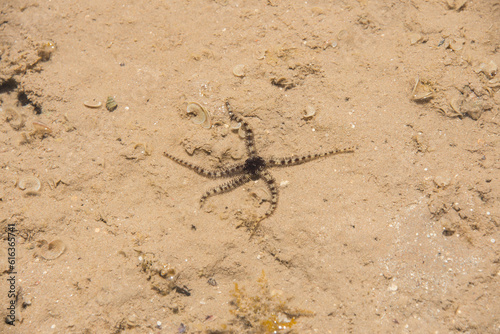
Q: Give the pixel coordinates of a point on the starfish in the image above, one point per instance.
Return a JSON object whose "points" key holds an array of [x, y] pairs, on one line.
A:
{"points": [[255, 167]]}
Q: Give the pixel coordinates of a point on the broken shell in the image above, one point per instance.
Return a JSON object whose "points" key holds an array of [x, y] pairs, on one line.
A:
{"points": [[201, 115], [309, 112], [52, 250], [138, 151], [41, 128], [92, 104], [239, 70], [490, 69], [422, 91], [14, 118], [494, 83], [30, 184], [111, 104], [457, 44], [259, 54]]}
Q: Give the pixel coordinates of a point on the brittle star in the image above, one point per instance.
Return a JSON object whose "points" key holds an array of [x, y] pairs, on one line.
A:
{"points": [[254, 168]]}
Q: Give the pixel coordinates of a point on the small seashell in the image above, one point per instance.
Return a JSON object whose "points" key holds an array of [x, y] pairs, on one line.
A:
{"points": [[239, 70], [201, 115], [309, 112], [30, 184], [52, 250], [15, 119], [92, 104], [111, 104], [240, 130]]}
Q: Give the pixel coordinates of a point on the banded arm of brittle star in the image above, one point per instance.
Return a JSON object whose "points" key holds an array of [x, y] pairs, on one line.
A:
{"points": [[225, 187], [273, 202], [300, 159], [211, 173], [249, 136]]}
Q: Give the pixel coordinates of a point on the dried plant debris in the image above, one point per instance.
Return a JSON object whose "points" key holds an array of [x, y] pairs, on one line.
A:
{"points": [[422, 91]]}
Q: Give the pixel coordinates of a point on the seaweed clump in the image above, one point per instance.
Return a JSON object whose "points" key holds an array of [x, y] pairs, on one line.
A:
{"points": [[265, 312]]}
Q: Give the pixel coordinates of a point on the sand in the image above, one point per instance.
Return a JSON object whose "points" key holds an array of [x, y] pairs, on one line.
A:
{"points": [[401, 236]]}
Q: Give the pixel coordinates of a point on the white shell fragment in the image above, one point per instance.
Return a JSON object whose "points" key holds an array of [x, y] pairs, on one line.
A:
{"points": [[92, 104], [201, 115], [52, 250], [30, 184], [240, 130], [309, 112], [239, 70]]}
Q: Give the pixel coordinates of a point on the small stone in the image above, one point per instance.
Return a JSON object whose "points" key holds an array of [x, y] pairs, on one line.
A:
{"points": [[442, 181], [392, 287], [415, 38]]}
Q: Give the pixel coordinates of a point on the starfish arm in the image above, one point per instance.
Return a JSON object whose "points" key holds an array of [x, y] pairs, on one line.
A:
{"points": [[211, 173], [249, 136], [271, 185], [300, 159], [226, 187]]}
